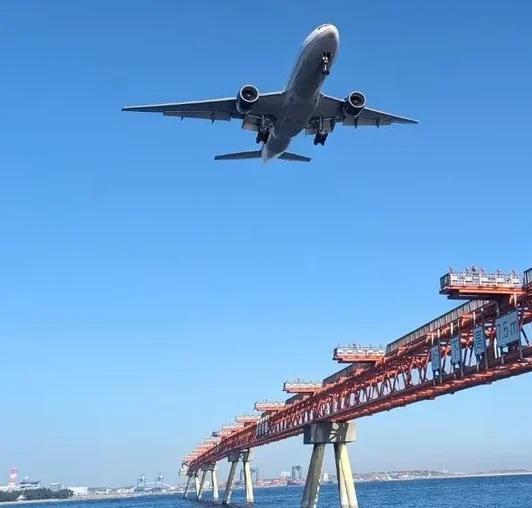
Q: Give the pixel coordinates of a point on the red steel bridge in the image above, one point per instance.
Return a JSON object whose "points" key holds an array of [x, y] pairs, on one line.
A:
{"points": [[480, 341]]}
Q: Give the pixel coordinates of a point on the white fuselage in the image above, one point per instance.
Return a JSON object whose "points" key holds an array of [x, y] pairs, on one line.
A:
{"points": [[302, 91]]}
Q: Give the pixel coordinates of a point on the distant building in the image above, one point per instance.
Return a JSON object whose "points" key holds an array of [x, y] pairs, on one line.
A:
{"points": [[99, 491], [80, 491], [55, 487], [27, 484], [125, 490]]}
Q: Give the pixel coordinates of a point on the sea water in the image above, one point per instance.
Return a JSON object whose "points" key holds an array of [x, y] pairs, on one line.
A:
{"points": [[478, 492]]}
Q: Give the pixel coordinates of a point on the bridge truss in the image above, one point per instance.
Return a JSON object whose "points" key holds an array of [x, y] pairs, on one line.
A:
{"points": [[481, 341]]}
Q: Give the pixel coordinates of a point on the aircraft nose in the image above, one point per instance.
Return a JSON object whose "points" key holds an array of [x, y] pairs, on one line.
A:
{"points": [[333, 33]]}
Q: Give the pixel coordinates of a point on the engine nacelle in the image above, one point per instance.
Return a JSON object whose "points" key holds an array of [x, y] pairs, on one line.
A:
{"points": [[354, 104], [246, 99]]}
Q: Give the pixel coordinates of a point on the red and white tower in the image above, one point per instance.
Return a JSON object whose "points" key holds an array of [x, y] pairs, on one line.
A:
{"points": [[12, 479]]}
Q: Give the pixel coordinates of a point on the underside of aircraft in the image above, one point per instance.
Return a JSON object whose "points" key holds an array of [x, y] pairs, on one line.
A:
{"points": [[277, 117]]}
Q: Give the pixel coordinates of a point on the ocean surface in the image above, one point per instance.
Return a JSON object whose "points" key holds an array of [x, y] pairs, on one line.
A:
{"points": [[485, 492]]}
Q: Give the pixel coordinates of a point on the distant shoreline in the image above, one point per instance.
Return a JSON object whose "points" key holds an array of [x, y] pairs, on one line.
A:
{"points": [[102, 497], [112, 497], [451, 476]]}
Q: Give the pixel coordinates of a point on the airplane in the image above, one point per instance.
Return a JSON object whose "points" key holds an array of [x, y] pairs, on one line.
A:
{"points": [[277, 117]]}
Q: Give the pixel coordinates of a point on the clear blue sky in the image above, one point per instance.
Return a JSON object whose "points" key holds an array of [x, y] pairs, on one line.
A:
{"points": [[149, 294]]}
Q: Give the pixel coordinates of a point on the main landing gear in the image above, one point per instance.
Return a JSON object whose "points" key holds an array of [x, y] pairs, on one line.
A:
{"points": [[262, 135], [321, 133], [320, 138], [325, 61]]}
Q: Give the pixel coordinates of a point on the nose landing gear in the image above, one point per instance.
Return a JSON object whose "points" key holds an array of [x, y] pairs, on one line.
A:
{"points": [[325, 62]]}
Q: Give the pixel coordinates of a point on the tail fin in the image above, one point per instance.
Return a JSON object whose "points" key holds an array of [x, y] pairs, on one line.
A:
{"points": [[257, 155]]}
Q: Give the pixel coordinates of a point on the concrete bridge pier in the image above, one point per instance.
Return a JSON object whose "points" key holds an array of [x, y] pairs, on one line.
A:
{"points": [[233, 458], [196, 483], [214, 481], [346, 485], [187, 486], [312, 485], [247, 456], [202, 484], [338, 434]]}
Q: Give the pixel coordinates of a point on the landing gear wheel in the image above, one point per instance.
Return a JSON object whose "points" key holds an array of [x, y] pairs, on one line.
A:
{"points": [[320, 138]]}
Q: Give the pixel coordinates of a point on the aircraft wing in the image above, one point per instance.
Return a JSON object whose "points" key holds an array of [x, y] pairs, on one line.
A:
{"points": [[268, 105], [331, 110]]}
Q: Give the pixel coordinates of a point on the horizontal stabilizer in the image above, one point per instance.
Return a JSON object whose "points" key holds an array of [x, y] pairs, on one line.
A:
{"points": [[238, 156], [286, 156], [257, 155]]}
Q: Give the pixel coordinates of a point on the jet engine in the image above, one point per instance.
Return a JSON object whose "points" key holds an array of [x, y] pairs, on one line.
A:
{"points": [[354, 104], [246, 99]]}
